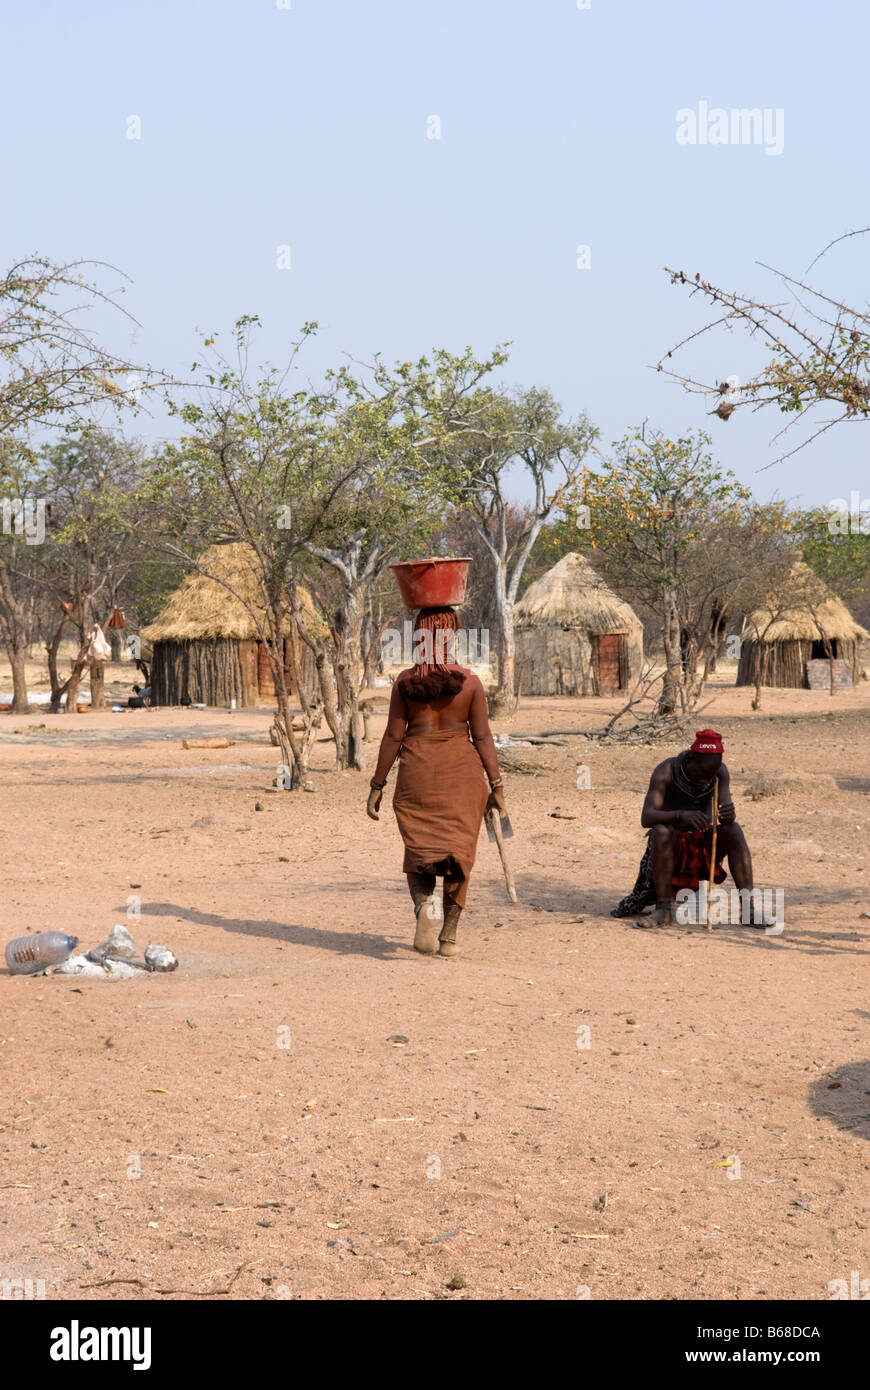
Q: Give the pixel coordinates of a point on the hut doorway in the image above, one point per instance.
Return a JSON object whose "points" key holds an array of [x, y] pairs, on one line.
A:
{"points": [[819, 651], [609, 655]]}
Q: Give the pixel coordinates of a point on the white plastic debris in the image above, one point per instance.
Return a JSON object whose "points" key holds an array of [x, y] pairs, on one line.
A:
{"points": [[119, 943], [105, 970], [113, 959], [160, 958]]}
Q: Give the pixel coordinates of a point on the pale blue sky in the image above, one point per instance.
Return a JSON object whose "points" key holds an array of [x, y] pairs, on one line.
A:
{"points": [[307, 126]]}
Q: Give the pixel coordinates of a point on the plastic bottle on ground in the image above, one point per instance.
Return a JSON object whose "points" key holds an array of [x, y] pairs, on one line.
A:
{"points": [[27, 954]]}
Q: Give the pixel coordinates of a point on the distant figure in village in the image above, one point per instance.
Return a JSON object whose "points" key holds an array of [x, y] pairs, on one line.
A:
{"points": [[441, 793], [678, 811], [140, 698]]}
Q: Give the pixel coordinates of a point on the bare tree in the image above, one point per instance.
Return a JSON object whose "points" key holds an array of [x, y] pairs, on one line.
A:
{"points": [[820, 350]]}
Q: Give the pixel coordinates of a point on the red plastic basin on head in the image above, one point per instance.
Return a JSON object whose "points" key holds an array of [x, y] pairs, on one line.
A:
{"points": [[432, 583]]}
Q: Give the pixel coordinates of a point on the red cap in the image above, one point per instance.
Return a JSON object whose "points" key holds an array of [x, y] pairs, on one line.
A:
{"points": [[707, 741]]}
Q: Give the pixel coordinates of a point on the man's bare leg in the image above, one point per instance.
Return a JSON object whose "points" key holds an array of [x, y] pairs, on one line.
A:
{"points": [[732, 841], [662, 861], [428, 912], [736, 851]]}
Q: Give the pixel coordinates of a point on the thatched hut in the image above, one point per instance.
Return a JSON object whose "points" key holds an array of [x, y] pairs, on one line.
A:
{"points": [[206, 647], [792, 636], [574, 635]]}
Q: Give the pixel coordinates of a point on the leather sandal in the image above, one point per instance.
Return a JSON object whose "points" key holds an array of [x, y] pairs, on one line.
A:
{"points": [[447, 939], [429, 920]]}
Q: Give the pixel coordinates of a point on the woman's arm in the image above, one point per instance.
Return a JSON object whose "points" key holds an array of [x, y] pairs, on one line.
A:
{"points": [[397, 723], [481, 734]]}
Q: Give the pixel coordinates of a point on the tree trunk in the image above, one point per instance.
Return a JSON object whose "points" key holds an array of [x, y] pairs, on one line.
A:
{"points": [[295, 755], [356, 737], [295, 752], [672, 688], [349, 741], [504, 699], [760, 673], [348, 679], [19, 682], [52, 649], [16, 625], [72, 688], [691, 684], [327, 690], [98, 685]]}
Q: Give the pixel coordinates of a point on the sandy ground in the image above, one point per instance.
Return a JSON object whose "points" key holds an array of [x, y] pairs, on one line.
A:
{"points": [[308, 1109]]}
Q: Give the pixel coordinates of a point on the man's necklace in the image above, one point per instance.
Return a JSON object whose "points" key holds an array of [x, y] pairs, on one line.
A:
{"points": [[682, 783]]}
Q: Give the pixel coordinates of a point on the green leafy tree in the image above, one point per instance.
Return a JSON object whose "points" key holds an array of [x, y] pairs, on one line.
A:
{"points": [[23, 526], [391, 447], [672, 528], [326, 487], [835, 543], [55, 373], [519, 432], [92, 481]]}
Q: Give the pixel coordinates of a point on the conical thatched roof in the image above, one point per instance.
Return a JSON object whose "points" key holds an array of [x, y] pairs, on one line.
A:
{"points": [[571, 594], [814, 612], [202, 608]]}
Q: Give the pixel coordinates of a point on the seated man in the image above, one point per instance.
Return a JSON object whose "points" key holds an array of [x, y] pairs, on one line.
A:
{"points": [[678, 813]]}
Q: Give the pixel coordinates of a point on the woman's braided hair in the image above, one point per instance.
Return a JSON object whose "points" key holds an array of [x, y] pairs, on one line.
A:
{"points": [[441, 676]]}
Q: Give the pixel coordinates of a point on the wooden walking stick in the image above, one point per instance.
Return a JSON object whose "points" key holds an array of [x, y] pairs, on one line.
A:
{"points": [[713, 850], [495, 824]]}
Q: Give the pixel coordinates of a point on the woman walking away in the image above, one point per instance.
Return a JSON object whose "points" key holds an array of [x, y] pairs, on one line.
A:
{"points": [[441, 794]]}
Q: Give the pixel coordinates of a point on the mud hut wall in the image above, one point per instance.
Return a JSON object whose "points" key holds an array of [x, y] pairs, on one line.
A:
{"points": [[633, 640], [264, 682], [786, 664], [210, 672], [555, 661], [248, 658]]}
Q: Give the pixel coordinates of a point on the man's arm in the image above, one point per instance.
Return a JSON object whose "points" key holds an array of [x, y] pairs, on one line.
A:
{"points": [[727, 813], [653, 812]]}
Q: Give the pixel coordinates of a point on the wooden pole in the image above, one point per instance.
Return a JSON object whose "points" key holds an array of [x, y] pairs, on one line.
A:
{"points": [[495, 822], [713, 850]]}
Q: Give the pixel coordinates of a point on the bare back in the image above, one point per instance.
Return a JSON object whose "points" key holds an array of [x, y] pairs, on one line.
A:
{"points": [[444, 711], [464, 710]]}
